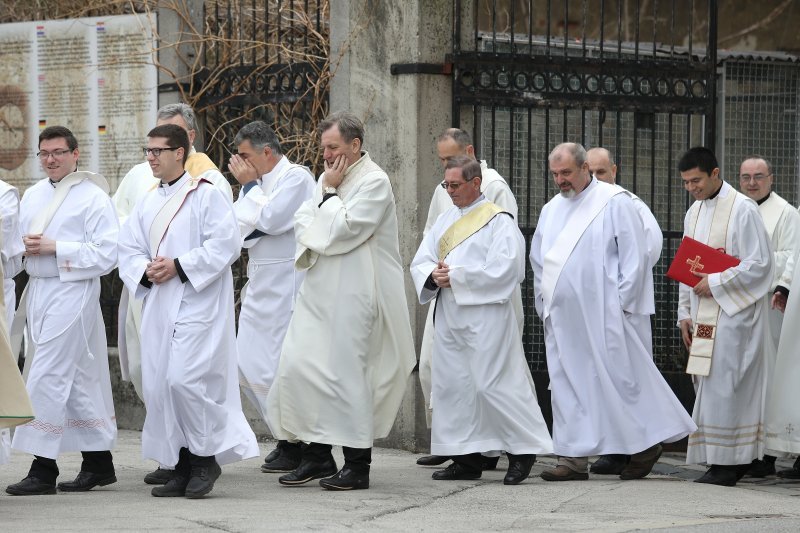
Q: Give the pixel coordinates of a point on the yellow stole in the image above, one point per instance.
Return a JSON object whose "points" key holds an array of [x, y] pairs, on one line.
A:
{"points": [[197, 163], [464, 227]]}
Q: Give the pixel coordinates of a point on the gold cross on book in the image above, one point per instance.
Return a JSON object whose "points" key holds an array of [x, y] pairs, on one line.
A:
{"points": [[695, 265]]}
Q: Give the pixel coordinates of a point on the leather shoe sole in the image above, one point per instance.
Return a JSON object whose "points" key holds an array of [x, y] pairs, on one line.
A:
{"points": [[306, 478], [563, 473], [352, 482], [456, 472], [432, 460], [76, 486]]}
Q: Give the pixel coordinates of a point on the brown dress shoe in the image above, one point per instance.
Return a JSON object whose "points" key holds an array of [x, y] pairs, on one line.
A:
{"points": [[563, 473], [642, 463]]}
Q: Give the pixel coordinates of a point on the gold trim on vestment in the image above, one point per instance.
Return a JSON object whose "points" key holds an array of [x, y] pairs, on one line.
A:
{"points": [[466, 226]]}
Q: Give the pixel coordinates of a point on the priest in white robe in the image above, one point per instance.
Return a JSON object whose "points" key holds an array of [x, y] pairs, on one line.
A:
{"points": [[273, 188], [70, 239], [723, 323], [451, 143], [137, 182], [782, 416], [782, 222], [591, 264], [603, 168], [473, 261], [348, 351], [176, 249]]}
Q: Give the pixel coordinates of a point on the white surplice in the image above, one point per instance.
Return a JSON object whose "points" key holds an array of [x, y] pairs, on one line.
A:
{"points": [[137, 182], [607, 395], [782, 221], [188, 337], [730, 401], [497, 191], [68, 381], [482, 387], [268, 299], [348, 351]]}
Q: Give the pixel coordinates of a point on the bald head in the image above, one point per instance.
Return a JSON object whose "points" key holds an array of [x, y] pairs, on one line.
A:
{"points": [[601, 165]]}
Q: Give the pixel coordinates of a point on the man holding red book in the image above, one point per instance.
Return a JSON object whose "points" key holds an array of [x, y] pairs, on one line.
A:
{"points": [[723, 323]]}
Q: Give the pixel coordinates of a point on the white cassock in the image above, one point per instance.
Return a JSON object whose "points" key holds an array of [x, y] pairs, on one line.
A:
{"points": [[137, 182], [497, 191], [607, 395], [188, 334], [11, 249], [782, 416], [730, 401], [68, 380], [268, 209], [349, 351], [482, 387]]}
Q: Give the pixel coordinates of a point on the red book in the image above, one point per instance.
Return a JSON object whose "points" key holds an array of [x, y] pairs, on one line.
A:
{"points": [[694, 256]]}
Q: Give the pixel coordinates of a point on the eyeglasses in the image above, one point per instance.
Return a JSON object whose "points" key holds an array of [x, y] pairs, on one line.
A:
{"points": [[57, 154], [156, 151], [454, 186], [744, 178]]}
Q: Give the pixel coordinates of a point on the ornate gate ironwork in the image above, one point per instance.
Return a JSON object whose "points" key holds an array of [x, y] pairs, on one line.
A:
{"points": [[529, 74]]}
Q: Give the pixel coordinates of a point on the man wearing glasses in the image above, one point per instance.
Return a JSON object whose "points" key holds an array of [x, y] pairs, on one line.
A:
{"points": [[136, 183], [473, 261], [176, 249], [70, 237], [782, 221], [454, 142]]}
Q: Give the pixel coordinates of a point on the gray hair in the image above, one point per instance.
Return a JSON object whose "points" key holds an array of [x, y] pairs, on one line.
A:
{"points": [[470, 168], [575, 150], [260, 135], [172, 110], [759, 158], [350, 126], [461, 137]]}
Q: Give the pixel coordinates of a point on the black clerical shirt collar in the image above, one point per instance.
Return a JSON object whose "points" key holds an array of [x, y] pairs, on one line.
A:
{"points": [[759, 202], [54, 183], [715, 192], [173, 182]]}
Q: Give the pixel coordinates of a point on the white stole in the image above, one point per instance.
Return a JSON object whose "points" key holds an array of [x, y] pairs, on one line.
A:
{"points": [[705, 323], [591, 205], [167, 213]]}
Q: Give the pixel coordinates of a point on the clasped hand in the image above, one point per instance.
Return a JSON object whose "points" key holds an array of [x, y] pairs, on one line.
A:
{"points": [[441, 275], [161, 270], [38, 245]]}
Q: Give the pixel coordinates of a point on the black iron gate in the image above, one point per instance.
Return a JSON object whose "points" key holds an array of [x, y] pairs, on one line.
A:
{"points": [[530, 74]]}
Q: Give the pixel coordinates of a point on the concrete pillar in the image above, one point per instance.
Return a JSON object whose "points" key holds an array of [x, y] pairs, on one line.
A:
{"points": [[403, 115]]}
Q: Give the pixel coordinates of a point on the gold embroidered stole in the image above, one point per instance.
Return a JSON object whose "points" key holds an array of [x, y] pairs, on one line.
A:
{"points": [[705, 324], [468, 225]]}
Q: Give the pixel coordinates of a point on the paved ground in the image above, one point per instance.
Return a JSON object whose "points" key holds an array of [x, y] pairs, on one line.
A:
{"points": [[403, 497]]}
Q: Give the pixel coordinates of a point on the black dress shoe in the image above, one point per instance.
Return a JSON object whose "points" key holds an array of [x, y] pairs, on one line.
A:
{"points": [[174, 488], [609, 465], [282, 464], [159, 476], [274, 454], [718, 475], [432, 460], [519, 468], [489, 463], [202, 479], [87, 481], [456, 472], [760, 468], [31, 486], [346, 479], [307, 471]]}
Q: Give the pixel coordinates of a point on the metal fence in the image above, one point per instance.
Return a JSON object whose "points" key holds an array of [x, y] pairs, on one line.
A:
{"points": [[529, 75]]}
